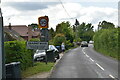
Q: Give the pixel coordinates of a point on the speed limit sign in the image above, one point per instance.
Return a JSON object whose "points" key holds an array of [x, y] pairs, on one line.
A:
{"points": [[43, 22]]}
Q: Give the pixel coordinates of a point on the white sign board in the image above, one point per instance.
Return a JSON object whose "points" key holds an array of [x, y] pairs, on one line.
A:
{"points": [[37, 45]]}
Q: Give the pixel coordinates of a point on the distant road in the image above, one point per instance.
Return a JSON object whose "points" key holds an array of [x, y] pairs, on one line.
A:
{"points": [[85, 63]]}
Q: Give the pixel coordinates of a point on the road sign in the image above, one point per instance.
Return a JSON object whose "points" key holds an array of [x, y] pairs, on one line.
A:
{"points": [[37, 45], [43, 22]]}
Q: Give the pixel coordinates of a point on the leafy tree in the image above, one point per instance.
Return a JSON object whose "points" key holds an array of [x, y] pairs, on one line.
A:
{"points": [[105, 25], [65, 29], [51, 33], [58, 39], [85, 31]]}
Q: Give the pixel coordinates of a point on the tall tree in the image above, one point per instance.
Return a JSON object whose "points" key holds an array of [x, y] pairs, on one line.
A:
{"points": [[85, 31], [66, 29], [105, 25], [51, 33]]}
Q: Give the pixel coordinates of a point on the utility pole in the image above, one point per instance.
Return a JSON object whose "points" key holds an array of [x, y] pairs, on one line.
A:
{"points": [[2, 58]]}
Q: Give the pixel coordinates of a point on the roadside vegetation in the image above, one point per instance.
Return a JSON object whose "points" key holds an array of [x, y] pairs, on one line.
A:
{"points": [[106, 39], [39, 67]]}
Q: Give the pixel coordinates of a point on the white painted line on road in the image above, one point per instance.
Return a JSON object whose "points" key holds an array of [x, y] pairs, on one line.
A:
{"points": [[83, 48], [91, 59], [100, 66], [111, 76], [87, 55]]}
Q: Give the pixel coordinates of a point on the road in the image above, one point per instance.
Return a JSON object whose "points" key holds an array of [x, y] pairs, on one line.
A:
{"points": [[84, 62]]}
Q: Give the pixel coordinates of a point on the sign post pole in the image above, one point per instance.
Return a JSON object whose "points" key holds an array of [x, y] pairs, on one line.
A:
{"points": [[43, 23], [2, 59]]}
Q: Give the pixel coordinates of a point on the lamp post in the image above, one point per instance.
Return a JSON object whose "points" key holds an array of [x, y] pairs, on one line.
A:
{"points": [[2, 58]]}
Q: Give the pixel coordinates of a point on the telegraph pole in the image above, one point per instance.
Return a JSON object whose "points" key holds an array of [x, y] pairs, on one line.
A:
{"points": [[2, 58]]}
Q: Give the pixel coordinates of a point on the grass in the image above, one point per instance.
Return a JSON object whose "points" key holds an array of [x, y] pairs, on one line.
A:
{"points": [[38, 67]]}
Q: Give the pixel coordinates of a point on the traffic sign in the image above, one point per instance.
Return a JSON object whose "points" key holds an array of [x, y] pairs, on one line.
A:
{"points": [[43, 22], [37, 45]]}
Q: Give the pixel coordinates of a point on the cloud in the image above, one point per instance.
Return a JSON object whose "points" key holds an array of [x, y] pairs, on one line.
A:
{"points": [[70, 1], [25, 6], [56, 14]]}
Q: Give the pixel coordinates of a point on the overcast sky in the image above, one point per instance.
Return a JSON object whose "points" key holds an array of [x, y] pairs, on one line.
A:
{"points": [[25, 12]]}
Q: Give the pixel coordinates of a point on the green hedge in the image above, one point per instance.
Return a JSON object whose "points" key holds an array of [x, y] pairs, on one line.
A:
{"points": [[16, 51], [106, 42]]}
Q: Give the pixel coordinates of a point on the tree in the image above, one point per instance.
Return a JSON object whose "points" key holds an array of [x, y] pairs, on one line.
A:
{"points": [[58, 39], [85, 31], [65, 29], [105, 25], [51, 33]]}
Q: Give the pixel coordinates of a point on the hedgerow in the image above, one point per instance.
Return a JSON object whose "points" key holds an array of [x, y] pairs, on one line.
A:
{"points": [[16, 51], [106, 42]]}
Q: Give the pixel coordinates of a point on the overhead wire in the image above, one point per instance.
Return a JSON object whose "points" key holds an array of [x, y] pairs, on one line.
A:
{"points": [[65, 9]]}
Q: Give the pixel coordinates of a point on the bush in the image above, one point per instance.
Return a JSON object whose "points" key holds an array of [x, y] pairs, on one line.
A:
{"points": [[68, 44], [58, 39], [34, 39], [16, 51], [106, 42]]}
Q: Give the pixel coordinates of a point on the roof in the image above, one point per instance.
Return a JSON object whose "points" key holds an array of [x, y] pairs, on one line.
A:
{"points": [[22, 30]]}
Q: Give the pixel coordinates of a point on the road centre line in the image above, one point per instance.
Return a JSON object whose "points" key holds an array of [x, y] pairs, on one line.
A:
{"points": [[87, 55], [100, 66], [111, 76], [91, 59]]}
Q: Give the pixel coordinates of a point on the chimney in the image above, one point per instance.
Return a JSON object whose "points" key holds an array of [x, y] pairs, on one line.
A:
{"points": [[10, 27], [29, 32]]}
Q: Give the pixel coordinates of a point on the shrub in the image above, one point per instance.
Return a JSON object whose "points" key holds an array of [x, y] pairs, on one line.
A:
{"points": [[34, 39], [58, 39], [106, 42], [16, 51], [68, 44]]}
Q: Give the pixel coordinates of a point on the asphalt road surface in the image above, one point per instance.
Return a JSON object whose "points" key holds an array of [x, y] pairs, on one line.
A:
{"points": [[84, 62]]}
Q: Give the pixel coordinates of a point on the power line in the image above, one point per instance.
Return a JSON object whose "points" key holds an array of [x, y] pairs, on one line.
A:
{"points": [[65, 9]]}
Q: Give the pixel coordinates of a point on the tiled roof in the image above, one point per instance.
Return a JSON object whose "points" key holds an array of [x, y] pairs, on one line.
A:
{"points": [[22, 30]]}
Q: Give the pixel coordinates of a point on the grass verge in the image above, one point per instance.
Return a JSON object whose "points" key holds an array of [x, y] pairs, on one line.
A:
{"points": [[38, 67]]}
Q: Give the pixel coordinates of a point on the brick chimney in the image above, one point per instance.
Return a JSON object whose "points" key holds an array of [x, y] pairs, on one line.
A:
{"points": [[29, 32]]}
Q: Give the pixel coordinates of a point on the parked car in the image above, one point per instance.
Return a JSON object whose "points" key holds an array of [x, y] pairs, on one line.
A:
{"points": [[91, 42], [84, 44], [40, 54]]}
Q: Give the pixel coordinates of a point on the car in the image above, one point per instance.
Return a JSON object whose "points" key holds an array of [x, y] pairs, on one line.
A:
{"points": [[40, 54], [91, 42], [84, 44], [55, 51]]}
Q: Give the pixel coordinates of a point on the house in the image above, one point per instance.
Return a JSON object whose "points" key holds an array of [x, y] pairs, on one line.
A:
{"points": [[23, 31]]}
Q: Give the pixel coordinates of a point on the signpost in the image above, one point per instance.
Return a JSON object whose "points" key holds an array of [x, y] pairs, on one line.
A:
{"points": [[2, 63], [37, 45], [43, 22]]}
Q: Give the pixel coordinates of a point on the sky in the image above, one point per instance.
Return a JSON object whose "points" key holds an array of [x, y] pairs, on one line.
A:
{"points": [[25, 12]]}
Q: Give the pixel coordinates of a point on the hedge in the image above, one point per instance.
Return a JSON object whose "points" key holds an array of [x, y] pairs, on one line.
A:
{"points": [[106, 42], [16, 51]]}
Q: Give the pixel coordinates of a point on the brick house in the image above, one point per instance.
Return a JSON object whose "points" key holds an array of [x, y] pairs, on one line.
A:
{"points": [[24, 31]]}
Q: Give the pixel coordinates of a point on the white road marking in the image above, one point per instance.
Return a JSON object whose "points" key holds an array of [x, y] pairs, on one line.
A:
{"points": [[100, 66], [91, 59], [83, 48], [87, 55], [111, 76]]}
